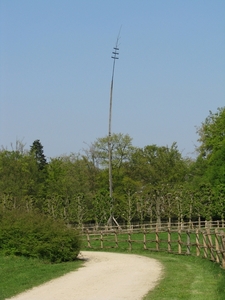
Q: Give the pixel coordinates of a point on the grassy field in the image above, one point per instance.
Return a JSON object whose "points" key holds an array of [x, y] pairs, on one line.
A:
{"points": [[18, 273], [188, 278], [184, 277]]}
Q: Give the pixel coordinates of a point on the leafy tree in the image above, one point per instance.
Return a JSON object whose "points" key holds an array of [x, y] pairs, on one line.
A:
{"points": [[126, 199], [67, 180], [18, 184], [121, 150], [101, 207], [210, 164], [219, 201], [212, 133], [215, 172], [155, 165]]}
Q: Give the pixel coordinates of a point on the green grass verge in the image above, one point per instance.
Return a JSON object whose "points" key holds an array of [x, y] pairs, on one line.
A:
{"points": [[188, 278], [19, 273], [184, 277]]}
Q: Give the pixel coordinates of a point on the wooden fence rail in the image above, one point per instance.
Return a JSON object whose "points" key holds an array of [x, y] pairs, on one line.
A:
{"points": [[208, 243], [153, 226]]}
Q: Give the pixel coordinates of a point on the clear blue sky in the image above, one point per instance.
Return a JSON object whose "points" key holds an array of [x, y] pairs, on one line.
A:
{"points": [[55, 71]]}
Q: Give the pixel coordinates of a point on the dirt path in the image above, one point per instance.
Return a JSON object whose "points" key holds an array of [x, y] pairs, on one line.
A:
{"points": [[105, 276]]}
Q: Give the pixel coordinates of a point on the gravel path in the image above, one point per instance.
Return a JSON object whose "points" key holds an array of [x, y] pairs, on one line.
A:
{"points": [[105, 276]]}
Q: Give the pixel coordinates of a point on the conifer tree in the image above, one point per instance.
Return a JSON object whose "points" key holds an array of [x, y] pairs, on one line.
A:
{"points": [[37, 150]]}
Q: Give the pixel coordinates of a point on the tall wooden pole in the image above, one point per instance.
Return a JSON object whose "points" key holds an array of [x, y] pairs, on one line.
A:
{"points": [[114, 57]]}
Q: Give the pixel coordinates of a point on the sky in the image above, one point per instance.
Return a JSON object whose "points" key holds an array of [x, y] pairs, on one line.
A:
{"points": [[56, 69]]}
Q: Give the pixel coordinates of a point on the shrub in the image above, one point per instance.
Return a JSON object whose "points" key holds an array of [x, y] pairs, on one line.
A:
{"points": [[35, 235]]}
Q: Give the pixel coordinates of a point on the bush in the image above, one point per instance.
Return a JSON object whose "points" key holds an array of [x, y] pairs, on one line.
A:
{"points": [[35, 235]]}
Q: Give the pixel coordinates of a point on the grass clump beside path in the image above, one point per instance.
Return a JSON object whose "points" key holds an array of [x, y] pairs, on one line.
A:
{"points": [[20, 273], [188, 278]]}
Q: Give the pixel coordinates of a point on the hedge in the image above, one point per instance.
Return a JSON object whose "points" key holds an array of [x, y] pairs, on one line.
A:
{"points": [[35, 235]]}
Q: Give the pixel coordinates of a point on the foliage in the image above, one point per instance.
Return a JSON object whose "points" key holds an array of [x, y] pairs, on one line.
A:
{"points": [[211, 159], [152, 183], [121, 150], [101, 207], [212, 133], [18, 179], [37, 150], [35, 235], [154, 165]]}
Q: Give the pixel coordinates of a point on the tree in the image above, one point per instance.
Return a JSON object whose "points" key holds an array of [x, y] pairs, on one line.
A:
{"points": [[155, 165], [37, 150], [122, 149], [100, 207], [98, 154], [67, 186], [212, 133], [210, 164], [126, 199], [18, 185]]}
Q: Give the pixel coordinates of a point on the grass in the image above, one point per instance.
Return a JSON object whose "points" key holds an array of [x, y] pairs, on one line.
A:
{"points": [[187, 278], [19, 273], [184, 277]]}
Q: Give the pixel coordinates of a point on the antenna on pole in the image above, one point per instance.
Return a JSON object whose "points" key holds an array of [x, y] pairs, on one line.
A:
{"points": [[114, 56]]}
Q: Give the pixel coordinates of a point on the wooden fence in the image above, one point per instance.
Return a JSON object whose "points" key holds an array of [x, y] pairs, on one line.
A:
{"points": [[207, 242], [153, 226]]}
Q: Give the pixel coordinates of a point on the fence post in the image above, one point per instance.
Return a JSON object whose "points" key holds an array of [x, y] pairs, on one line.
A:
{"points": [[197, 243], [129, 241], [222, 239], [145, 247], [210, 245], [169, 240], [188, 242], [157, 239], [116, 239], [189, 224], [205, 245], [179, 241], [199, 222], [101, 239], [217, 246], [88, 239]]}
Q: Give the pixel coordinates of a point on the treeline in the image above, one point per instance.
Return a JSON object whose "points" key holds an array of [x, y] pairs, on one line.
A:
{"points": [[153, 183]]}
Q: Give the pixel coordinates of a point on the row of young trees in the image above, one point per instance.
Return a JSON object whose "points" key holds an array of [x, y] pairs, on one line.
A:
{"points": [[153, 183]]}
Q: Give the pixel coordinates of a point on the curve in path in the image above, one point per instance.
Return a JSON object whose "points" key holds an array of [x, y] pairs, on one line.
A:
{"points": [[105, 276]]}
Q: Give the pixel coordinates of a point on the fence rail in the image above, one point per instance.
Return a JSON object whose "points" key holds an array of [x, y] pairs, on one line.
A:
{"points": [[207, 242], [153, 226]]}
